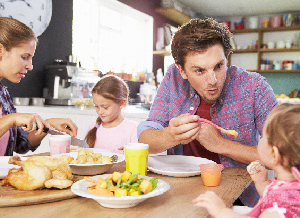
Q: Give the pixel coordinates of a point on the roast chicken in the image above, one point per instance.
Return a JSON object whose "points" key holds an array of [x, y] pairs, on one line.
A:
{"points": [[39, 172]]}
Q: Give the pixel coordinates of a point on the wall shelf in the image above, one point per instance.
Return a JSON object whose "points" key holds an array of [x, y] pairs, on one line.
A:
{"points": [[260, 51], [162, 53], [174, 15]]}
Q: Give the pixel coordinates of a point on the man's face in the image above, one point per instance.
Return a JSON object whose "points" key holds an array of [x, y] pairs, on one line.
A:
{"points": [[206, 72]]}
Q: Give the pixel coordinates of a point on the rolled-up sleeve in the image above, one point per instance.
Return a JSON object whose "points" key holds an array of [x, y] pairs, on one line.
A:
{"points": [[148, 125], [22, 143]]}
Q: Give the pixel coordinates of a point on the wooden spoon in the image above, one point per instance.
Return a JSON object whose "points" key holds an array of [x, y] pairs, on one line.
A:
{"points": [[228, 132]]}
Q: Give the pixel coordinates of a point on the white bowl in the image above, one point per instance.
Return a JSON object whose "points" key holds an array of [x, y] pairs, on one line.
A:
{"points": [[80, 188], [92, 169]]}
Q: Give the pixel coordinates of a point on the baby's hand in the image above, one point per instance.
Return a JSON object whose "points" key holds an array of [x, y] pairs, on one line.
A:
{"points": [[211, 202], [257, 172]]}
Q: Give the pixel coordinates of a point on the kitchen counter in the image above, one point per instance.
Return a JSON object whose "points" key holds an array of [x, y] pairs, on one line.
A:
{"points": [[134, 112], [79, 115]]}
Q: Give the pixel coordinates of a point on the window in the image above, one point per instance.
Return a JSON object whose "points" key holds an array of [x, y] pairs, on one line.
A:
{"points": [[109, 35]]}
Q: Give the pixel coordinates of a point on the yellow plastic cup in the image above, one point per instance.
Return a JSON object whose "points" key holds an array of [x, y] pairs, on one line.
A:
{"points": [[211, 174], [136, 158]]}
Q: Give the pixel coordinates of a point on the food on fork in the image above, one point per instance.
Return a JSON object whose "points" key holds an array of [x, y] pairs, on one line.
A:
{"points": [[35, 173], [251, 168]]}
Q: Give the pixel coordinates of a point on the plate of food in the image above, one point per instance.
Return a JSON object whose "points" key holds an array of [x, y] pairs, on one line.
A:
{"points": [[176, 165], [90, 161], [84, 188]]}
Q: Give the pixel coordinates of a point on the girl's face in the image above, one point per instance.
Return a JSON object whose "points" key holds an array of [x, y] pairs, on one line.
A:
{"points": [[265, 150], [108, 110], [15, 63]]}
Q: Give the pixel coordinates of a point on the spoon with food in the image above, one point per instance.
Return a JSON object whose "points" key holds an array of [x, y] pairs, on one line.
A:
{"points": [[228, 132]]}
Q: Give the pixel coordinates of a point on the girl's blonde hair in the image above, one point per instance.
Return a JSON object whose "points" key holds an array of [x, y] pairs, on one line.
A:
{"points": [[283, 131], [109, 87], [13, 33]]}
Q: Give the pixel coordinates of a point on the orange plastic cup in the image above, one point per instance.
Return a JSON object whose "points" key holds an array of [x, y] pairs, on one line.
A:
{"points": [[211, 174]]}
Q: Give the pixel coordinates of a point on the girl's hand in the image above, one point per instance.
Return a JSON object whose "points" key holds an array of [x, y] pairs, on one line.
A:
{"points": [[211, 202], [64, 125]]}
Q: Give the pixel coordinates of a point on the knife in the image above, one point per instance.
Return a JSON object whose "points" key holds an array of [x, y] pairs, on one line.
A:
{"points": [[74, 141]]}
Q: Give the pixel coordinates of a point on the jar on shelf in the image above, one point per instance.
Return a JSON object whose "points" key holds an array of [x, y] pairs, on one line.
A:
{"points": [[295, 65], [288, 65]]}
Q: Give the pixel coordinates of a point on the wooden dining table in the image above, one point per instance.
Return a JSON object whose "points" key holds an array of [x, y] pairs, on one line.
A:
{"points": [[176, 202]]}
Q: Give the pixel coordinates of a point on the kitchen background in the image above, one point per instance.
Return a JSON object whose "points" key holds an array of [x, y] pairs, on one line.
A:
{"points": [[56, 41]]}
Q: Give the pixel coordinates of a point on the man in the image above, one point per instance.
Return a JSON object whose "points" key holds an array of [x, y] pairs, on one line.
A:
{"points": [[201, 85]]}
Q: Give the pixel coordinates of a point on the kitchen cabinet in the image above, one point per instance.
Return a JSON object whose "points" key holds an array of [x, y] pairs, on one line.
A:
{"points": [[260, 50]]}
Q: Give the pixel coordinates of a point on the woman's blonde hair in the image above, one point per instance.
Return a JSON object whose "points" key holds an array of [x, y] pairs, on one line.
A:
{"points": [[109, 87], [283, 131], [14, 33]]}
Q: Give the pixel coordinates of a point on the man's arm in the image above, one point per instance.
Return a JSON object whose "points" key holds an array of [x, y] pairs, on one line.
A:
{"points": [[181, 130]]}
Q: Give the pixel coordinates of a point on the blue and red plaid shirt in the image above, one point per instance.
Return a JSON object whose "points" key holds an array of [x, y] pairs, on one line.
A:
{"points": [[244, 104], [18, 138]]}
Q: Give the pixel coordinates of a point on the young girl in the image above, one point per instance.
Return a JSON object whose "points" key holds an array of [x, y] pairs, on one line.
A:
{"points": [[279, 150], [111, 130], [17, 47]]}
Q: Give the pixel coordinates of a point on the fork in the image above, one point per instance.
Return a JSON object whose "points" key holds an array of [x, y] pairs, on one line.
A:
{"points": [[228, 132]]}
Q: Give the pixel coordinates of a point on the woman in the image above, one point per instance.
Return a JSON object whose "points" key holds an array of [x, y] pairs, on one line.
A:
{"points": [[17, 47]]}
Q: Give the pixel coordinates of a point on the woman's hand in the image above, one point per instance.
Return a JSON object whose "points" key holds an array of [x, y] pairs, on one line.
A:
{"points": [[30, 122], [64, 125]]}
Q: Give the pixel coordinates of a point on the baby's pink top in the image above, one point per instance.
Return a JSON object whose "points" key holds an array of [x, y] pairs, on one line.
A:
{"points": [[4, 138], [113, 138], [281, 196]]}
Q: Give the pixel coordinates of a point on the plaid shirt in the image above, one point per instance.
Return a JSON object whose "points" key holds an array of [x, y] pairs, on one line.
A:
{"points": [[18, 138], [244, 104]]}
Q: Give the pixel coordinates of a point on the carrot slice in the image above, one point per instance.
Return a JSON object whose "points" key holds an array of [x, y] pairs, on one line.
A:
{"points": [[89, 179]]}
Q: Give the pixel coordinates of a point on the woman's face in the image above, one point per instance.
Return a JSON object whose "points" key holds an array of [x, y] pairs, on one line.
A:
{"points": [[15, 63]]}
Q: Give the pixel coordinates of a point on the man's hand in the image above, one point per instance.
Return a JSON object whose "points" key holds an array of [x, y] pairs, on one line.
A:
{"points": [[184, 129], [210, 138]]}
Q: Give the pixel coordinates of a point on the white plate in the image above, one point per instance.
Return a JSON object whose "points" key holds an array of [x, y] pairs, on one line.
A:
{"points": [[5, 166], [80, 188], [92, 169], [176, 165]]}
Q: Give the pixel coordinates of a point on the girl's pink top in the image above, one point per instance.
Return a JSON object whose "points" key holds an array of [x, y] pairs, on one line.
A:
{"points": [[116, 137], [4, 138], [281, 196]]}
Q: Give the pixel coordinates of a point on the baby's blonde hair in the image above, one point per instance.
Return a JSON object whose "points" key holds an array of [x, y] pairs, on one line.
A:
{"points": [[283, 131]]}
